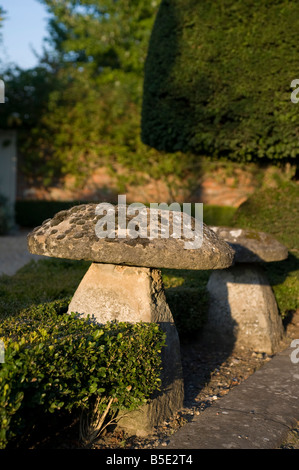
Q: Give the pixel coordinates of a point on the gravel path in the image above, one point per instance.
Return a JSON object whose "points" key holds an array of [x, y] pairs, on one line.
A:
{"points": [[14, 253]]}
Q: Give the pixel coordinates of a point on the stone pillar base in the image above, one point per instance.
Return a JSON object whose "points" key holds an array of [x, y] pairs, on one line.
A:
{"points": [[132, 294], [243, 310]]}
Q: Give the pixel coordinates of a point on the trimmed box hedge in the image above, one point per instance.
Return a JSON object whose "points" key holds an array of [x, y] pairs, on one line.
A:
{"points": [[59, 361]]}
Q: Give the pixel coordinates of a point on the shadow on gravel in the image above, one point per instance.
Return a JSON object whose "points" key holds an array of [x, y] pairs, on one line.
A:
{"points": [[200, 359]]}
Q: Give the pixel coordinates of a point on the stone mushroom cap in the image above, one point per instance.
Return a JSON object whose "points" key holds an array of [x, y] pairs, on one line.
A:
{"points": [[71, 234], [251, 246]]}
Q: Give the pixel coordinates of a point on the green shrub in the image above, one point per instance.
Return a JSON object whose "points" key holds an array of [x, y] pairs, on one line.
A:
{"points": [[274, 210], [218, 215], [215, 215], [59, 361], [218, 79]]}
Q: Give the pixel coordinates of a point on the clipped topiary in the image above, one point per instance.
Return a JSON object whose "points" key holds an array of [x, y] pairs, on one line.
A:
{"points": [[55, 361], [218, 79]]}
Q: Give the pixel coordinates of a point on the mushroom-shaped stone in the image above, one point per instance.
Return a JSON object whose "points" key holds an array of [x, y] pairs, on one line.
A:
{"points": [[153, 238], [243, 309], [124, 281]]}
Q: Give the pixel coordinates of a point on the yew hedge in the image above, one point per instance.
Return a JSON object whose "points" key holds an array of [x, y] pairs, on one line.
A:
{"points": [[218, 80]]}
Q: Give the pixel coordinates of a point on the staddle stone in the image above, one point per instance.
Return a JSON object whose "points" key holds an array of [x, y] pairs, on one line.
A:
{"points": [[124, 283], [243, 310]]}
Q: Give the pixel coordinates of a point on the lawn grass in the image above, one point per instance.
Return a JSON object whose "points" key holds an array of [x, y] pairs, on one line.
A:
{"points": [[39, 282], [218, 215]]}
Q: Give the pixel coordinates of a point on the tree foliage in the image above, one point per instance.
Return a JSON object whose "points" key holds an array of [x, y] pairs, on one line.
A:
{"points": [[102, 33], [81, 108], [217, 82]]}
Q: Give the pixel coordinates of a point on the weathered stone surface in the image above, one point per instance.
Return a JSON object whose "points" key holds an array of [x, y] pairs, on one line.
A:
{"points": [[72, 235], [124, 293], [251, 246], [243, 309]]}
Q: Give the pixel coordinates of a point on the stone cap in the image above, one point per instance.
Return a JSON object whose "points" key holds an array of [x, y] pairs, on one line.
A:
{"points": [[251, 246], [74, 234]]}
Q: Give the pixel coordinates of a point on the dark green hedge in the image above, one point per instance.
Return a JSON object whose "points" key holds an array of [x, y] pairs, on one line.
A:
{"points": [[189, 307], [32, 213], [217, 79]]}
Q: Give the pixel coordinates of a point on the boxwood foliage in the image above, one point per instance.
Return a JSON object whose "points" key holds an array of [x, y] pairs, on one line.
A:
{"points": [[218, 79], [59, 361]]}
